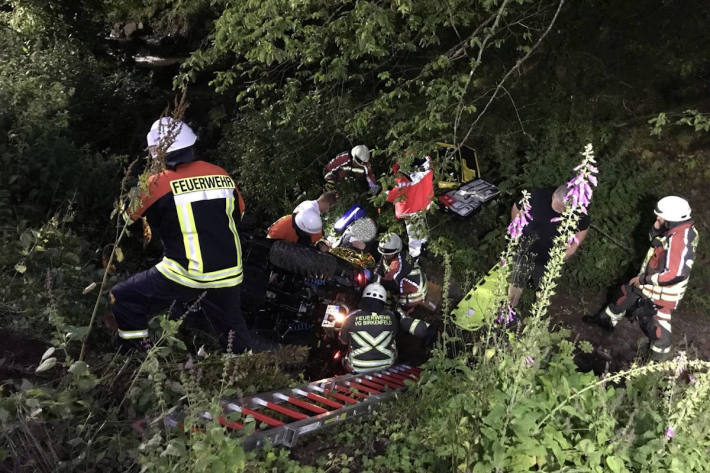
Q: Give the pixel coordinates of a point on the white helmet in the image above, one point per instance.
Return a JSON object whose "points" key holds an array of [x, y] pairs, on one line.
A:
{"points": [[390, 244], [361, 153], [375, 290], [173, 133], [673, 209], [309, 221]]}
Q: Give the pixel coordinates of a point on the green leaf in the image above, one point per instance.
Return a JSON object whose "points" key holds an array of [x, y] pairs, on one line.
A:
{"points": [[616, 464], [20, 268], [46, 365]]}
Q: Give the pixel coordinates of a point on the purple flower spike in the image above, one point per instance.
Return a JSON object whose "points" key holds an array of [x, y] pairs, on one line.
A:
{"points": [[670, 433], [529, 361], [515, 229]]}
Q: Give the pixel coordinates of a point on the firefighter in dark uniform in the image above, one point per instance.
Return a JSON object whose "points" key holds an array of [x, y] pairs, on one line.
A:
{"points": [[349, 165], [371, 331], [196, 207], [654, 294], [400, 276]]}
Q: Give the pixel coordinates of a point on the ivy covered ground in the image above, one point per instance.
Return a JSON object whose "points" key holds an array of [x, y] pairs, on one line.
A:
{"points": [[277, 88]]}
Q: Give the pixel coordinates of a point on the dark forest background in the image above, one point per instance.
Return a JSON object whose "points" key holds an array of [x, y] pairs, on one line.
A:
{"points": [[277, 88]]}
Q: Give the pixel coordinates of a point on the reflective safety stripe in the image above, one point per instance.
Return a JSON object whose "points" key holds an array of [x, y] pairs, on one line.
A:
{"points": [[414, 325], [613, 316], [189, 236], [364, 366], [380, 343], [175, 267], [367, 344], [659, 349], [131, 334], [665, 325], [230, 207], [188, 281]]}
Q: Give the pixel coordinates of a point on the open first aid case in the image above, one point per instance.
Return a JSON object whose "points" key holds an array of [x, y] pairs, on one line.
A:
{"points": [[469, 197]]}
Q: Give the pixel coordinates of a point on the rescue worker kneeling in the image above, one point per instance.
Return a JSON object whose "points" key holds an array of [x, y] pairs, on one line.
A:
{"points": [[304, 225], [371, 331], [400, 276], [197, 207]]}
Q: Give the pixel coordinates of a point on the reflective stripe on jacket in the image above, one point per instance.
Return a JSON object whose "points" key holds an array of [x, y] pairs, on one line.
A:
{"points": [[343, 166], [196, 208], [666, 268], [371, 340]]}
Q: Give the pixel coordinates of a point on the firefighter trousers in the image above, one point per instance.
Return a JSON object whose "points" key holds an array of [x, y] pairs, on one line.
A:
{"points": [[418, 328], [416, 233], [144, 294], [654, 317]]}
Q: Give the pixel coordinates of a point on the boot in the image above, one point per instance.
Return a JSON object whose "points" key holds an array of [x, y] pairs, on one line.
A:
{"points": [[600, 319]]}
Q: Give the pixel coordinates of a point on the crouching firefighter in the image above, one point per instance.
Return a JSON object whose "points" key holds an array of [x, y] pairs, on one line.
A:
{"points": [[400, 276], [305, 225], [655, 293], [196, 207], [370, 332]]}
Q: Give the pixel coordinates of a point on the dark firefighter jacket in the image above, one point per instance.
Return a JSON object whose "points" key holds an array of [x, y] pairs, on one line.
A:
{"points": [[371, 338], [665, 270], [196, 206]]}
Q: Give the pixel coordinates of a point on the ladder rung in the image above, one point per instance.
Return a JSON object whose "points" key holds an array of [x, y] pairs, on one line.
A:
{"points": [[305, 405], [286, 411], [360, 387], [230, 425], [345, 390], [371, 384], [262, 417], [402, 377], [341, 397], [324, 400], [389, 379]]}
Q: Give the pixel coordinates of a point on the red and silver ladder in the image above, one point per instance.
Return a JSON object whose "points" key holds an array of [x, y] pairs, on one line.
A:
{"points": [[285, 415]]}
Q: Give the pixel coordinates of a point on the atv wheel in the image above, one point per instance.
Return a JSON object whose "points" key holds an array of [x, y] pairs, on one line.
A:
{"points": [[303, 260]]}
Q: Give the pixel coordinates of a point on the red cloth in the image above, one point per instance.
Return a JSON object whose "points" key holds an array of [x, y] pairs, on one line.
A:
{"points": [[413, 192]]}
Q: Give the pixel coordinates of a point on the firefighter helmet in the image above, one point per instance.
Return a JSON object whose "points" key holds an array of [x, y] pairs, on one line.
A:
{"points": [[375, 291], [172, 133], [309, 221], [673, 209], [361, 153], [390, 244]]}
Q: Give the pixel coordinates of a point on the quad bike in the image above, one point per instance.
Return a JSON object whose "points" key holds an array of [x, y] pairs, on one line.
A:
{"points": [[288, 288]]}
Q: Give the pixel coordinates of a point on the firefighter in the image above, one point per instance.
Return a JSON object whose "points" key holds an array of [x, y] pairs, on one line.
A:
{"points": [[655, 292], [370, 332], [546, 207], [304, 225], [348, 166], [196, 207], [412, 196], [400, 276]]}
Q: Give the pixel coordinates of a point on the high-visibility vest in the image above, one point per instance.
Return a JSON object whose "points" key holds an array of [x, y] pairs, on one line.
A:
{"points": [[371, 338]]}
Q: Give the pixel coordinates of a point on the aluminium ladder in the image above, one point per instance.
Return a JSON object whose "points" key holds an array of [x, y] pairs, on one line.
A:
{"points": [[287, 414]]}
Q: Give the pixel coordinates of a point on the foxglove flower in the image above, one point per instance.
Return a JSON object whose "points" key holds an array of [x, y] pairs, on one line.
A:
{"points": [[506, 314], [515, 229], [579, 188], [670, 433]]}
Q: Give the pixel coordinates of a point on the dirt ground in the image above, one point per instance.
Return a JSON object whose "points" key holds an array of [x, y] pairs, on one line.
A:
{"points": [[614, 351], [19, 355]]}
